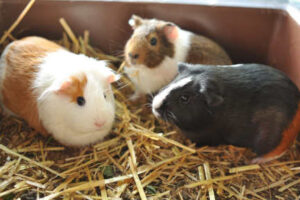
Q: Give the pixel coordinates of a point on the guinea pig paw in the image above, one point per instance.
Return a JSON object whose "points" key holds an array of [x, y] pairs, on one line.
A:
{"points": [[260, 160]]}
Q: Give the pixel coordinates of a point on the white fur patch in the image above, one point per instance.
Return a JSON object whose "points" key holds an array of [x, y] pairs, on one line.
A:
{"points": [[161, 96], [131, 22], [262, 159], [236, 65], [182, 45], [148, 80], [2, 76], [68, 122]]}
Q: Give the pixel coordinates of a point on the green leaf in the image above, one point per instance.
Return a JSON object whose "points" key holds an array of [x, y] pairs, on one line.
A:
{"points": [[150, 189], [108, 171]]}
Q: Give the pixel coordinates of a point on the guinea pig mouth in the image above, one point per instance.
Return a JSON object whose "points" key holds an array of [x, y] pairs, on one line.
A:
{"points": [[130, 61], [95, 129], [99, 124], [99, 128]]}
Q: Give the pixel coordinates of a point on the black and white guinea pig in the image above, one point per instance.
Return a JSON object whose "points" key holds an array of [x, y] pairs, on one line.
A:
{"points": [[56, 91], [248, 105], [155, 47]]}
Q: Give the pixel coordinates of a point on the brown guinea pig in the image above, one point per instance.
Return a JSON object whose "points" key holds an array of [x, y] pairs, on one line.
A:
{"points": [[155, 47]]}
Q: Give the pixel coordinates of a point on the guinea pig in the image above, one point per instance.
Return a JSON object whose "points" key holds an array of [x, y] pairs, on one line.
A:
{"points": [[247, 105], [57, 92], [155, 47]]}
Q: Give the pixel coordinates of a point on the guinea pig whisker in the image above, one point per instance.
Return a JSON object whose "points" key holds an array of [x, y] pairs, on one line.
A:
{"points": [[122, 30], [123, 73], [165, 116], [151, 95], [172, 116], [123, 86], [146, 105], [149, 105], [209, 111], [119, 53]]}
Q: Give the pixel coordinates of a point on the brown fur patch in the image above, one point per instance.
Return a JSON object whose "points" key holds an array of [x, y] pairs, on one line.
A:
{"points": [[22, 59], [74, 88], [206, 51], [288, 137]]}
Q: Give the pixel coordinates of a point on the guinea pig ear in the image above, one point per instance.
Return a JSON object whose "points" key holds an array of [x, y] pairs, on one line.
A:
{"points": [[182, 67], [171, 31], [135, 21], [112, 77], [59, 89], [212, 93], [67, 87]]}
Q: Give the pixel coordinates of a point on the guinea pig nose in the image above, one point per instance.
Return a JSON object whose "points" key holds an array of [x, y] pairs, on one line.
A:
{"points": [[99, 124], [134, 55]]}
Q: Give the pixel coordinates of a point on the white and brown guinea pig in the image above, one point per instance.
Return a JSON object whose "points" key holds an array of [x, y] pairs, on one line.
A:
{"points": [[56, 91], [155, 47]]}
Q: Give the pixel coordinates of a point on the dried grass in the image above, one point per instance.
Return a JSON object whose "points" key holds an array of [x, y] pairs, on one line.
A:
{"points": [[142, 158]]}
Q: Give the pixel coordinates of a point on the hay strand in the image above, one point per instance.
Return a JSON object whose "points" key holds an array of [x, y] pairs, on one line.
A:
{"points": [[7, 150], [70, 33], [208, 177], [244, 168], [137, 179], [17, 22]]}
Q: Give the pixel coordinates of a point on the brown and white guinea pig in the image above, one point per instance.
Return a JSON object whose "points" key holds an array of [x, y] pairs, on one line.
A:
{"points": [[248, 105], [155, 47], [56, 91]]}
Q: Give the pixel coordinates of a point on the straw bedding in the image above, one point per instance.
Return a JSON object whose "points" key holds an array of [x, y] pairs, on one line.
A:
{"points": [[142, 158]]}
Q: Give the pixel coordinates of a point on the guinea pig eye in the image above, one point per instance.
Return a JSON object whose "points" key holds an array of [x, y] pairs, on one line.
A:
{"points": [[153, 41], [184, 99], [80, 101], [104, 95]]}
